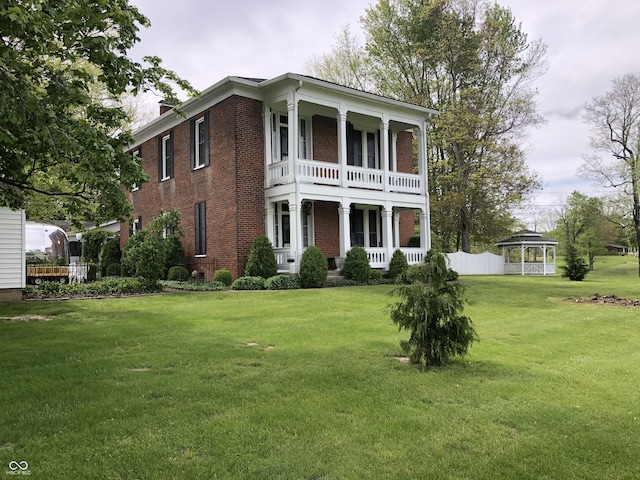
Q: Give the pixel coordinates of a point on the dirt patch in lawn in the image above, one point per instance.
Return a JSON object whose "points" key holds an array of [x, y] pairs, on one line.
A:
{"points": [[26, 318], [598, 299]]}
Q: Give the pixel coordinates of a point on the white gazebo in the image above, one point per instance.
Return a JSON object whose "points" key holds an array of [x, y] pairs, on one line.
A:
{"points": [[528, 253]]}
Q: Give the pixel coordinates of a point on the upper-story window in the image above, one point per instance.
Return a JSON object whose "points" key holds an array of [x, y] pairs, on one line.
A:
{"points": [[200, 141], [135, 226], [362, 147], [136, 153], [165, 157], [280, 137]]}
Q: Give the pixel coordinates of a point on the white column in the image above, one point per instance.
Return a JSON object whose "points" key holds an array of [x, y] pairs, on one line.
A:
{"points": [[342, 147], [387, 231], [425, 234], [292, 130], [422, 157], [384, 154], [345, 228], [268, 151], [394, 151], [295, 234], [269, 223], [396, 229]]}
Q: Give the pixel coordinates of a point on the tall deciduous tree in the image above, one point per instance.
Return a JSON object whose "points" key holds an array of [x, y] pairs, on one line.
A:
{"points": [[470, 60], [56, 138], [584, 225], [615, 121]]}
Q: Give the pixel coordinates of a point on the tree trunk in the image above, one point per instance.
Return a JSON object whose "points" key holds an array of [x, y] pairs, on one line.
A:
{"points": [[465, 237]]}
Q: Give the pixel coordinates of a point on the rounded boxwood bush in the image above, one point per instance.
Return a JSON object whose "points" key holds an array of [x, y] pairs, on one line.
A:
{"points": [[313, 268], [262, 259], [356, 265], [248, 283], [398, 264], [282, 282], [223, 276], [178, 273]]}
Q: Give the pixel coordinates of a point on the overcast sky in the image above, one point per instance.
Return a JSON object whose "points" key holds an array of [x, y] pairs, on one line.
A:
{"points": [[590, 43]]}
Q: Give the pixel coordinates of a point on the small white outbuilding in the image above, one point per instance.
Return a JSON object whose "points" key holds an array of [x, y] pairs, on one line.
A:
{"points": [[12, 255]]}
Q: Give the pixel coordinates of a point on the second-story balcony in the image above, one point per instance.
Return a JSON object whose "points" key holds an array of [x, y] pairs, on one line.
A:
{"points": [[325, 173]]}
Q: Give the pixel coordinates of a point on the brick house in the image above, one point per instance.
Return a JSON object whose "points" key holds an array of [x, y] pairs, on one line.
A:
{"points": [[304, 161]]}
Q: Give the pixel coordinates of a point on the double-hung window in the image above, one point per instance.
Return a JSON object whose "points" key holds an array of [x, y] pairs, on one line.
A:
{"points": [[280, 137], [165, 157], [200, 221], [199, 127], [135, 226], [282, 225], [362, 148], [365, 227]]}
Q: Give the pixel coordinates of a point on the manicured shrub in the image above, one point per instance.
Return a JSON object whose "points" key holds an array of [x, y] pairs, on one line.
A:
{"points": [[282, 282], [178, 273], [313, 268], [375, 276], [248, 283], [398, 264], [414, 241], [223, 276], [262, 260], [119, 286], [356, 265], [575, 269], [111, 254], [113, 270], [431, 308]]}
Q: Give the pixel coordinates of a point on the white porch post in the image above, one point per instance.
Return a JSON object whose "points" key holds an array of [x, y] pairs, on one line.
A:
{"points": [[342, 147], [269, 223], [394, 151], [295, 234], [425, 235], [384, 154], [268, 151], [345, 228], [422, 157], [396, 229], [292, 134], [522, 260], [544, 260], [387, 231]]}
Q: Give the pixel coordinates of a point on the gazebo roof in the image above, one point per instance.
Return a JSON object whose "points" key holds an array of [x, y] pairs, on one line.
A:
{"points": [[527, 237]]}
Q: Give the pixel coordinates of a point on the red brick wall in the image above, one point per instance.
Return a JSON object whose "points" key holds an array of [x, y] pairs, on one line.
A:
{"points": [[327, 225], [325, 139], [231, 186], [404, 151], [406, 226]]}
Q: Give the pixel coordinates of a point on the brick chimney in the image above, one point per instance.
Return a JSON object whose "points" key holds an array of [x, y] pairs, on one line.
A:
{"points": [[164, 107]]}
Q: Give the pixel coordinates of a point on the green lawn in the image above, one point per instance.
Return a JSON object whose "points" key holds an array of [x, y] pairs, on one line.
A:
{"points": [[172, 386]]}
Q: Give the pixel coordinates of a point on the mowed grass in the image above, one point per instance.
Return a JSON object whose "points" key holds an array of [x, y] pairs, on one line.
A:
{"points": [[304, 385]]}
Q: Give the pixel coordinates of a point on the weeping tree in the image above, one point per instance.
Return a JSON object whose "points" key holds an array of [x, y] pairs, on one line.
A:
{"points": [[431, 308]]}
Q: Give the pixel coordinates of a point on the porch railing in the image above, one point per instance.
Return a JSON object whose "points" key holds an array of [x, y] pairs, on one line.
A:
{"points": [[325, 173], [414, 255], [529, 269]]}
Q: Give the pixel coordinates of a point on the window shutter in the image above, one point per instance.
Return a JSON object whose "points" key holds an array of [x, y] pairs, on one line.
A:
{"points": [[350, 154], [192, 142], [140, 222], [130, 228], [206, 138], [170, 156], [160, 158]]}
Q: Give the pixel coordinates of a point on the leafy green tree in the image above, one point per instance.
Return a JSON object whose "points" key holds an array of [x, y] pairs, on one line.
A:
{"points": [[111, 255], [615, 121], [431, 308], [56, 138], [147, 251], [92, 243], [574, 269], [585, 226], [262, 259], [470, 60]]}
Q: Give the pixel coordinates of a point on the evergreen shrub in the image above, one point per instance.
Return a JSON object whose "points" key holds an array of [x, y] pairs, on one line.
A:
{"points": [[178, 273], [313, 268], [398, 264], [223, 276], [282, 282], [262, 260], [356, 265], [249, 283]]}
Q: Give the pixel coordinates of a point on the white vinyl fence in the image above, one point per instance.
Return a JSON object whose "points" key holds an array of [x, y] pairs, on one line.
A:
{"points": [[476, 264]]}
